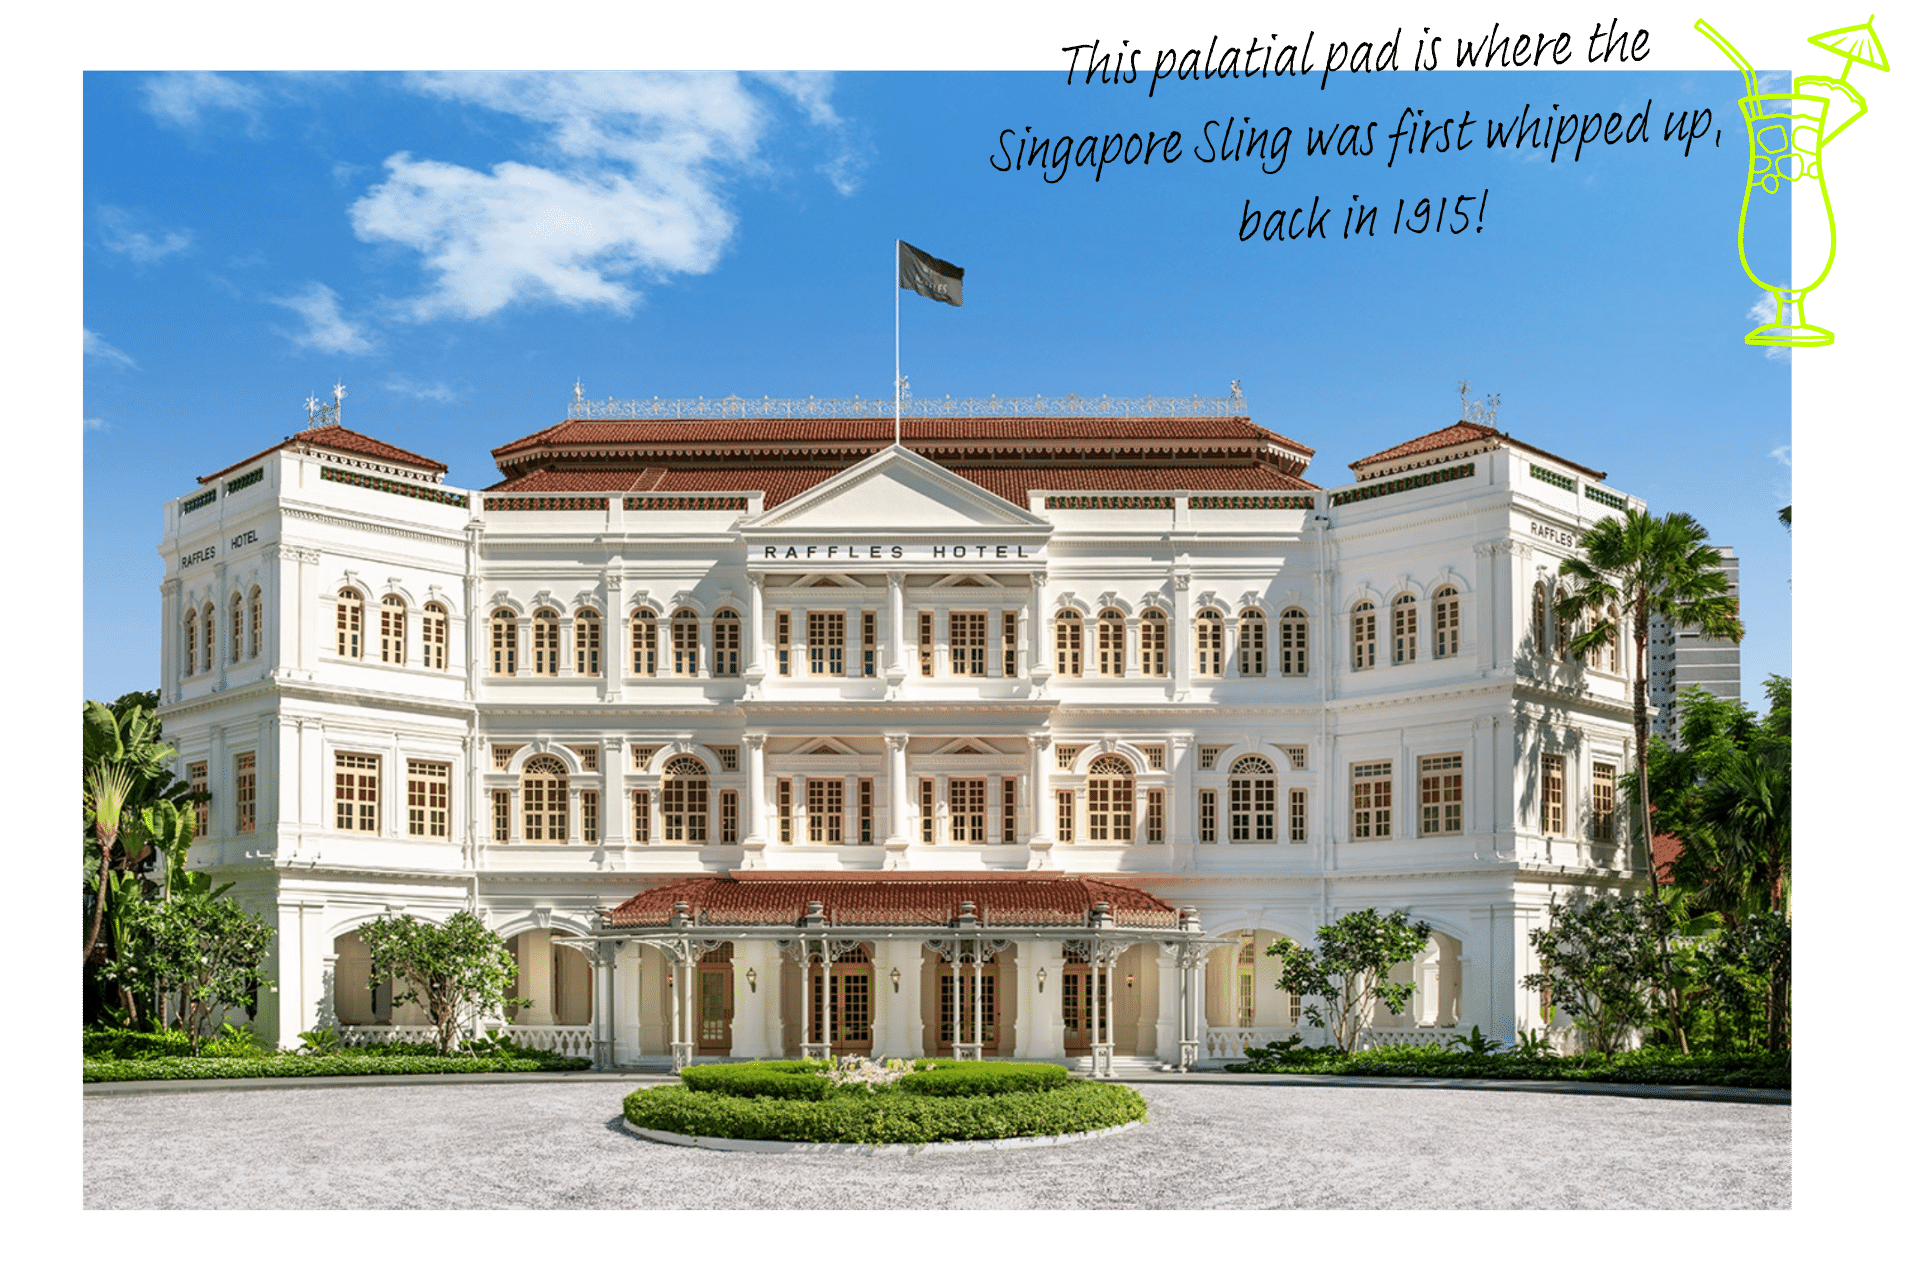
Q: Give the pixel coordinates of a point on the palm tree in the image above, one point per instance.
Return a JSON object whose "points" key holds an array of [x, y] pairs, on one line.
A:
{"points": [[1629, 569], [1749, 806]]}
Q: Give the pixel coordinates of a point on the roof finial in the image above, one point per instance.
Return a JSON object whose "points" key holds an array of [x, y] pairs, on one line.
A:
{"points": [[1465, 387], [1484, 412]]}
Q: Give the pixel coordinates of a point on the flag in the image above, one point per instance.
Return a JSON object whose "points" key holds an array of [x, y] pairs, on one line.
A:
{"points": [[928, 276]]}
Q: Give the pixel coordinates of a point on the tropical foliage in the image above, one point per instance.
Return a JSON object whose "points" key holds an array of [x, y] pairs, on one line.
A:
{"points": [[1341, 978], [198, 947], [454, 971]]}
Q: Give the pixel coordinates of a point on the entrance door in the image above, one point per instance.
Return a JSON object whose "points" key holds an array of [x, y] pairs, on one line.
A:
{"points": [[713, 988], [845, 1008], [989, 1027], [1083, 1006]]}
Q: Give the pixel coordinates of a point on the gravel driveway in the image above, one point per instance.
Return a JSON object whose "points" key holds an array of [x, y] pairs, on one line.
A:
{"points": [[559, 1145]]}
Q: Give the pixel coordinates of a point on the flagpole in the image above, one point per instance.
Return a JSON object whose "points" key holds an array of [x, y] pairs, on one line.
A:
{"points": [[896, 343]]}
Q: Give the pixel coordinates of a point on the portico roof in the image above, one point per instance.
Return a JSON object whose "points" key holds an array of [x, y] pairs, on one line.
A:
{"points": [[907, 898]]}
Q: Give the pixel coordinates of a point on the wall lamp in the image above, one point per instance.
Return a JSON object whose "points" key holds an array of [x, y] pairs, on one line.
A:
{"points": [[753, 980], [1129, 982], [1042, 975], [895, 975]]}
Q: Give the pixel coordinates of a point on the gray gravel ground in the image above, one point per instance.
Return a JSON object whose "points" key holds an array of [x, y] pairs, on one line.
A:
{"points": [[560, 1146]]}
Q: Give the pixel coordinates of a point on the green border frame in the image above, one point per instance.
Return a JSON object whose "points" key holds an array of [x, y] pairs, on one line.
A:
{"points": [[1846, 390]]}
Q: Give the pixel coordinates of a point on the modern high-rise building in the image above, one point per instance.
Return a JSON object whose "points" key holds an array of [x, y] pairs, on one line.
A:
{"points": [[1678, 658]]}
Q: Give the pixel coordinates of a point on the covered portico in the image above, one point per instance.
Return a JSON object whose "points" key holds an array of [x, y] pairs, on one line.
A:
{"points": [[1024, 964]]}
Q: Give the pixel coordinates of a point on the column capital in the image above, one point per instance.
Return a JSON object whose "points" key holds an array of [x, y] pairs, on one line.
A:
{"points": [[1040, 741], [753, 741], [897, 741]]}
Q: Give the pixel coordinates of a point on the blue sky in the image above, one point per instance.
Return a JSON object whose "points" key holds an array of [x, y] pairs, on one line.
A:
{"points": [[459, 249]]}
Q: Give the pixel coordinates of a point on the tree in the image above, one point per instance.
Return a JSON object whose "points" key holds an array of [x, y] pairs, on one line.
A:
{"points": [[200, 945], [1598, 958], [1632, 568], [452, 969], [1348, 971]]}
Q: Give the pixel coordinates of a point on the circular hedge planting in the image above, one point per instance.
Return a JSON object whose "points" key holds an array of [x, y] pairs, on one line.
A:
{"points": [[941, 1101]]}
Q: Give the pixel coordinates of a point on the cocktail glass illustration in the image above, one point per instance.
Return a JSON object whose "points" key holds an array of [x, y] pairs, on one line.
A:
{"points": [[1786, 135]]}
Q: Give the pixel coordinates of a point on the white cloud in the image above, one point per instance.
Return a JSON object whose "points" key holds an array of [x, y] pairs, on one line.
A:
{"points": [[327, 330], [95, 424], [413, 389], [1783, 455], [1763, 311], [634, 187], [119, 235], [182, 98], [100, 349]]}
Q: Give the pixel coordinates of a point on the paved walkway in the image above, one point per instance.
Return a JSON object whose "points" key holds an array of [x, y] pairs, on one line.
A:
{"points": [[514, 1143]]}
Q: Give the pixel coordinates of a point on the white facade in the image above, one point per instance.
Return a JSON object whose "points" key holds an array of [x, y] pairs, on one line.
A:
{"points": [[1465, 781]]}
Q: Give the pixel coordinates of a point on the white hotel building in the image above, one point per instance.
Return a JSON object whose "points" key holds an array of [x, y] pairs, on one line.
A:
{"points": [[696, 694]]}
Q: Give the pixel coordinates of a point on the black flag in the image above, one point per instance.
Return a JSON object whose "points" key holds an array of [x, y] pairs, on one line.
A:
{"points": [[928, 276]]}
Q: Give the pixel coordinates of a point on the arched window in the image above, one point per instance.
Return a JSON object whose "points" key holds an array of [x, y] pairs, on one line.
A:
{"points": [[586, 642], [1153, 643], [1253, 642], [236, 645], [1446, 622], [1209, 642], [683, 801], [1293, 642], [506, 642], [686, 642], [1111, 642], [1610, 652], [1562, 627], [1110, 800], [646, 642], [543, 800], [1406, 627], [253, 623], [393, 630], [1069, 639], [433, 636], [346, 623], [546, 642], [726, 643], [1251, 805], [193, 639], [1365, 635], [1542, 638], [207, 633]]}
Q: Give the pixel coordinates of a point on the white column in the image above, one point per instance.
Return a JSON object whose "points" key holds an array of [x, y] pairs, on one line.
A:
{"points": [[896, 625], [1181, 627], [1023, 644], [898, 837], [536, 978], [566, 644], [1045, 825], [1166, 1027], [1044, 1034], [603, 970], [755, 625], [1039, 654], [754, 843], [751, 1016]]}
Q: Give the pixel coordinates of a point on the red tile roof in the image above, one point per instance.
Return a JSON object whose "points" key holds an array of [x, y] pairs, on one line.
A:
{"points": [[1462, 433], [1666, 851], [880, 430], [897, 897], [341, 440]]}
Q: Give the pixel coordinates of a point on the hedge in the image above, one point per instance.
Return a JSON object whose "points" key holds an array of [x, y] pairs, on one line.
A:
{"points": [[1638, 1066], [887, 1116], [757, 1080], [806, 1078], [983, 1079], [95, 1070]]}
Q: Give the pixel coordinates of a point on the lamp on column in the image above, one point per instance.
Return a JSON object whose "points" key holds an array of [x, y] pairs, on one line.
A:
{"points": [[1042, 975], [895, 976], [753, 980], [1129, 982]]}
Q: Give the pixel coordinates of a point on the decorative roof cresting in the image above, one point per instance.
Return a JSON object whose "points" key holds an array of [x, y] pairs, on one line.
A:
{"points": [[1232, 405]]}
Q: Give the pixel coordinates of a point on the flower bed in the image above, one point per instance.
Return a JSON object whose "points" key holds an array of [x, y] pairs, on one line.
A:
{"points": [[931, 1101]]}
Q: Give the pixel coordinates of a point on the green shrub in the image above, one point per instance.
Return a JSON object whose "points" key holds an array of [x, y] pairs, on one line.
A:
{"points": [[984, 1079], [1524, 1062], [234, 1042], [856, 1116], [95, 1070], [756, 1080], [133, 1046]]}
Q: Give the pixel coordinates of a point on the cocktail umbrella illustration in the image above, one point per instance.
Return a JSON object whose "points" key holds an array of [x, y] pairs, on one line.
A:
{"points": [[1785, 136]]}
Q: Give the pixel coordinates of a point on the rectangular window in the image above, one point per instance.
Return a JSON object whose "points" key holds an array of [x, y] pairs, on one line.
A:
{"points": [[1209, 817], [502, 817], [642, 757], [1442, 792], [726, 643], [967, 808], [506, 643], [729, 758], [1156, 816], [1296, 756], [1068, 644], [356, 792], [1365, 626], [503, 756], [927, 812], [1373, 800], [590, 816], [866, 811], [826, 643], [1009, 644], [586, 644], [646, 643], [783, 805], [433, 638], [783, 642], [685, 633], [253, 628], [197, 780], [1063, 809], [926, 642], [1253, 645], [826, 810], [1603, 803], [1297, 815], [1156, 755], [1293, 643], [243, 792], [642, 817], [1250, 805], [1209, 756], [729, 817], [1553, 795], [1063, 755], [1009, 810], [589, 757], [429, 784], [869, 644], [1446, 624], [967, 644]]}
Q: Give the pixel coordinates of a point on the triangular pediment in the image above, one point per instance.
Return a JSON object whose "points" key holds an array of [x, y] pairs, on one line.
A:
{"points": [[896, 491]]}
